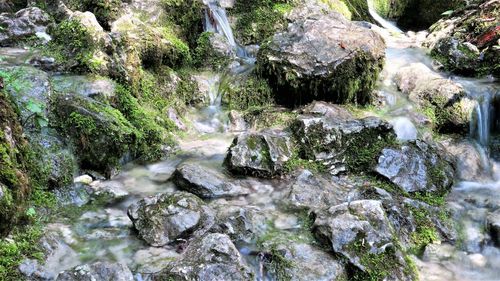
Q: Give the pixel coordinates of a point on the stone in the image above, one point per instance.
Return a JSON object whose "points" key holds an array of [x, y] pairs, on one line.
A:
{"points": [[22, 25], [416, 167], [209, 258], [309, 262], [331, 135], [83, 85], [448, 100], [314, 192], [493, 223], [108, 192], [103, 271], [174, 117], [237, 121], [206, 183], [360, 231], [163, 218], [468, 160], [306, 63], [261, 154], [84, 179], [241, 223]]}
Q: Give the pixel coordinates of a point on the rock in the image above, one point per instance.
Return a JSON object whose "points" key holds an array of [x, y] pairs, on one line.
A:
{"points": [[238, 123], [307, 262], [493, 222], [97, 271], [163, 218], [99, 132], [468, 160], [416, 167], [83, 85], [34, 271], [85, 179], [467, 44], [447, 100], [214, 50], [305, 63], [260, 154], [153, 259], [174, 117], [361, 232], [420, 14], [206, 183], [331, 135], [26, 23], [315, 192], [104, 224], [242, 224], [209, 258], [108, 192], [88, 20]]}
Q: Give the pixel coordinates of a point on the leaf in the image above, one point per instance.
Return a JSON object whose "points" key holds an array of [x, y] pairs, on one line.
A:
{"points": [[34, 107], [448, 13]]}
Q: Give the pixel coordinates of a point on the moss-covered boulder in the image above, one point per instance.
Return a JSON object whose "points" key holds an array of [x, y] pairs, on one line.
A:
{"points": [[213, 51], [467, 41], [444, 101], [23, 25], [259, 154], [361, 232], [100, 133], [331, 135], [305, 63]]}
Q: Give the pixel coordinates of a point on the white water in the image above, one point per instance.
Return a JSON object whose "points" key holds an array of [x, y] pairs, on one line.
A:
{"points": [[383, 22], [216, 21]]}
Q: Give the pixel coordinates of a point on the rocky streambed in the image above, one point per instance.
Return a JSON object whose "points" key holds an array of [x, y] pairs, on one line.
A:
{"points": [[336, 150]]}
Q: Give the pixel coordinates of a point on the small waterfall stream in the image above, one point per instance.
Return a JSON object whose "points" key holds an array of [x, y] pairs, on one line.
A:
{"points": [[383, 22]]}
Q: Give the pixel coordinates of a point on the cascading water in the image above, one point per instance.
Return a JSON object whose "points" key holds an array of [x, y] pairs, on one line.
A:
{"points": [[216, 21], [383, 22]]}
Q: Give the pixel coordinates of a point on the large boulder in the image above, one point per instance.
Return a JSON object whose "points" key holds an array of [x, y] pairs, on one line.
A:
{"points": [[361, 232], [97, 271], [163, 218], [416, 167], [445, 101], [309, 62], [241, 223], [467, 41], [259, 154], [331, 135], [213, 257], [206, 183], [26, 23]]}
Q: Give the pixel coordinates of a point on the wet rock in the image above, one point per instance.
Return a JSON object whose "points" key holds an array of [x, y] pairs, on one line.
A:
{"points": [[97, 271], [493, 222], [108, 192], [361, 232], [153, 259], [104, 224], [416, 167], [238, 123], [174, 117], [331, 135], [206, 183], [467, 158], [305, 63], [212, 257], [467, 42], [260, 154], [215, 50], [163, 218], [22, 25], [315, 192], [84, 179], [447, 100], [419, 15], [242, 224], [307, 262], [88, 86], [44, 63]]}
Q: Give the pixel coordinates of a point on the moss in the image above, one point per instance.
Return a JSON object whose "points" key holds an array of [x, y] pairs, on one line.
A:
{"points": [[359, 8], [205, 56], [339, 6], [425, 232], [295, 162], [263, 117], [246, 93], [259, 19], [188, 15]]}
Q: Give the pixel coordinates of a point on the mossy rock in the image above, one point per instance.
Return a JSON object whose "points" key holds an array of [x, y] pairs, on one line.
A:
{"points": [[343, 68], [188, 15], [246, 93], [421, 14]]}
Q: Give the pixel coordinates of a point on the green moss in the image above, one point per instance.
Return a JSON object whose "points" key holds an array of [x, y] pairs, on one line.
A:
{"points": [[359, 8], [205, 56], [250, 92], [295, 162], [425, 232], [188, 15], [259, 19], [264, 117], [339, 6]]}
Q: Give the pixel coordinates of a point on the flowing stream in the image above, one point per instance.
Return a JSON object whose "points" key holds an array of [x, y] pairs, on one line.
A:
{"points": [[106, 235]]}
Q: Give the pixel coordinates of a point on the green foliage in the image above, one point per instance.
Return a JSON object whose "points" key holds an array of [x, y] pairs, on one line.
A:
{"points": [[260, 19], [205, 56], [188, 15], [425, 233]]}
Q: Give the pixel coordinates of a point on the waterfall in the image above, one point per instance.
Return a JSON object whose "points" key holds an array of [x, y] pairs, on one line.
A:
{"points": [[483, 122], [384, 23], [216, 21]]}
